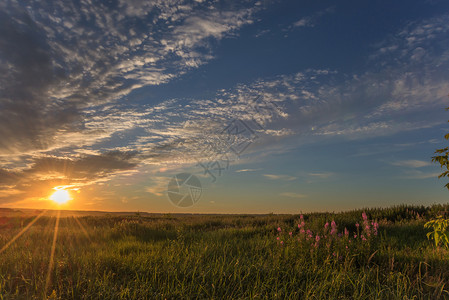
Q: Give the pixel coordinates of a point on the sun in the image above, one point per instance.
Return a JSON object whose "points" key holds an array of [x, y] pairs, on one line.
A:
{"points": [[60, 196]]}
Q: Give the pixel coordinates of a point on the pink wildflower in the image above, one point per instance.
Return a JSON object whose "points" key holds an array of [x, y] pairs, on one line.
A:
{"points": [[375, 226], [334, 227], [279, 229], [290, 233], [282, 242], [357, 225], [364, 216], [346, 232], [278, 238]]}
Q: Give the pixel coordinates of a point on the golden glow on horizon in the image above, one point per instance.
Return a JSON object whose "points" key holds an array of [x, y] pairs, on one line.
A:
{"points": [[60, 196]]}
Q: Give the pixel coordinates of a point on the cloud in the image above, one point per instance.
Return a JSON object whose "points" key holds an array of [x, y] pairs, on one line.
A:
{"points": [[280, 177], [59, 60], [322, 175], [63, 76], [293, 195], [311, 21], [247, 170], [44, 173], [416, 174], [392, 96], [158, 185], [412, 163]]}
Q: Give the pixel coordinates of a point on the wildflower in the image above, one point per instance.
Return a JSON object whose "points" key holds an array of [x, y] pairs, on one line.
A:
{"points": [[334, 227], [347, 247], [364, 216], [317, 238], [363, 237], [346, 232], [302, 231], [282, 242], [357, 225], [301, 217], [279, 229], [290, 233], [355, 236], [375, 226], [326, 225], [278, 238]]}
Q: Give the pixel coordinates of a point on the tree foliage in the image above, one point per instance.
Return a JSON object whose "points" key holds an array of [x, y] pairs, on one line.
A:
{"points": [[441, 157], [440, 234]]}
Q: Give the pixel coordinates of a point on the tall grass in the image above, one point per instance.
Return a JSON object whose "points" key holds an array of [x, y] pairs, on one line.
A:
{"points": [[230, 257]]}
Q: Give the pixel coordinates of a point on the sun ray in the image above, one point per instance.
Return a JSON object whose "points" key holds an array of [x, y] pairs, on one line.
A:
{"points": [[83, 228], [52, 253], [21, 232]]}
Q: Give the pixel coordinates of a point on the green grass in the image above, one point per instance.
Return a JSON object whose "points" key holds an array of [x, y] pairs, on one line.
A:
{"points": [[230, 257]]}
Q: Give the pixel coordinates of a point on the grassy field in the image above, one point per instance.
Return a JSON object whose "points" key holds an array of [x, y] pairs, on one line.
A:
{"points": [[387, 256]]}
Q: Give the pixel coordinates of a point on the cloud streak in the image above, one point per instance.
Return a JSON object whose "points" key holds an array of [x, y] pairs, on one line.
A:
{"points": [[56, 66]]}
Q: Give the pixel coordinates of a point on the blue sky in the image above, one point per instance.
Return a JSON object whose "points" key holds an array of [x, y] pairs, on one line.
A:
{"points": [[343, 103]]}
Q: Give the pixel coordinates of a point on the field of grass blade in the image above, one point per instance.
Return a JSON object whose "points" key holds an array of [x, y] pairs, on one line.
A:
{"points": [[361, 254]]}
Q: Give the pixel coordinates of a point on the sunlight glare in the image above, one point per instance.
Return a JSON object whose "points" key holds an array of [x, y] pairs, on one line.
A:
{"points": [[60, 196]]}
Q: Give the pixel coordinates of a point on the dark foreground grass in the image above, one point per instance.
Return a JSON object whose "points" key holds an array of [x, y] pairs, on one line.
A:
{"points": [[230, 257]]}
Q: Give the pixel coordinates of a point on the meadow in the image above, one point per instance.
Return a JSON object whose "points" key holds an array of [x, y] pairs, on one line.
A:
{"points": [[378, 253]]}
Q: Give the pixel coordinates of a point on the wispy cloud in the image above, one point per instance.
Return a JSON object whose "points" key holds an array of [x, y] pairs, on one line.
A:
{"points": [[322, 175], [247, 170], [57, 66], [417, 174], [412, 163], [158, 185], [280, 177], [311, 21]]}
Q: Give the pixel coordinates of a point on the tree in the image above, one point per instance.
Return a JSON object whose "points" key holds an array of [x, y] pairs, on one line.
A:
{"points": [[442, 159]]}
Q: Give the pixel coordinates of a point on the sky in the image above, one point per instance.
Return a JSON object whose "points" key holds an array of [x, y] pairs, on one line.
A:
{"points": [[222, 106]]}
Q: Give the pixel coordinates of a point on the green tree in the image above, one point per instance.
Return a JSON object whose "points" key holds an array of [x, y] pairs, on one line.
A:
{"points": [[441, 157]]}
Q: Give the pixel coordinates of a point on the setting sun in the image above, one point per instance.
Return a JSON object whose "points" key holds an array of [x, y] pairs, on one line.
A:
{"points": [[60, 196]]}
